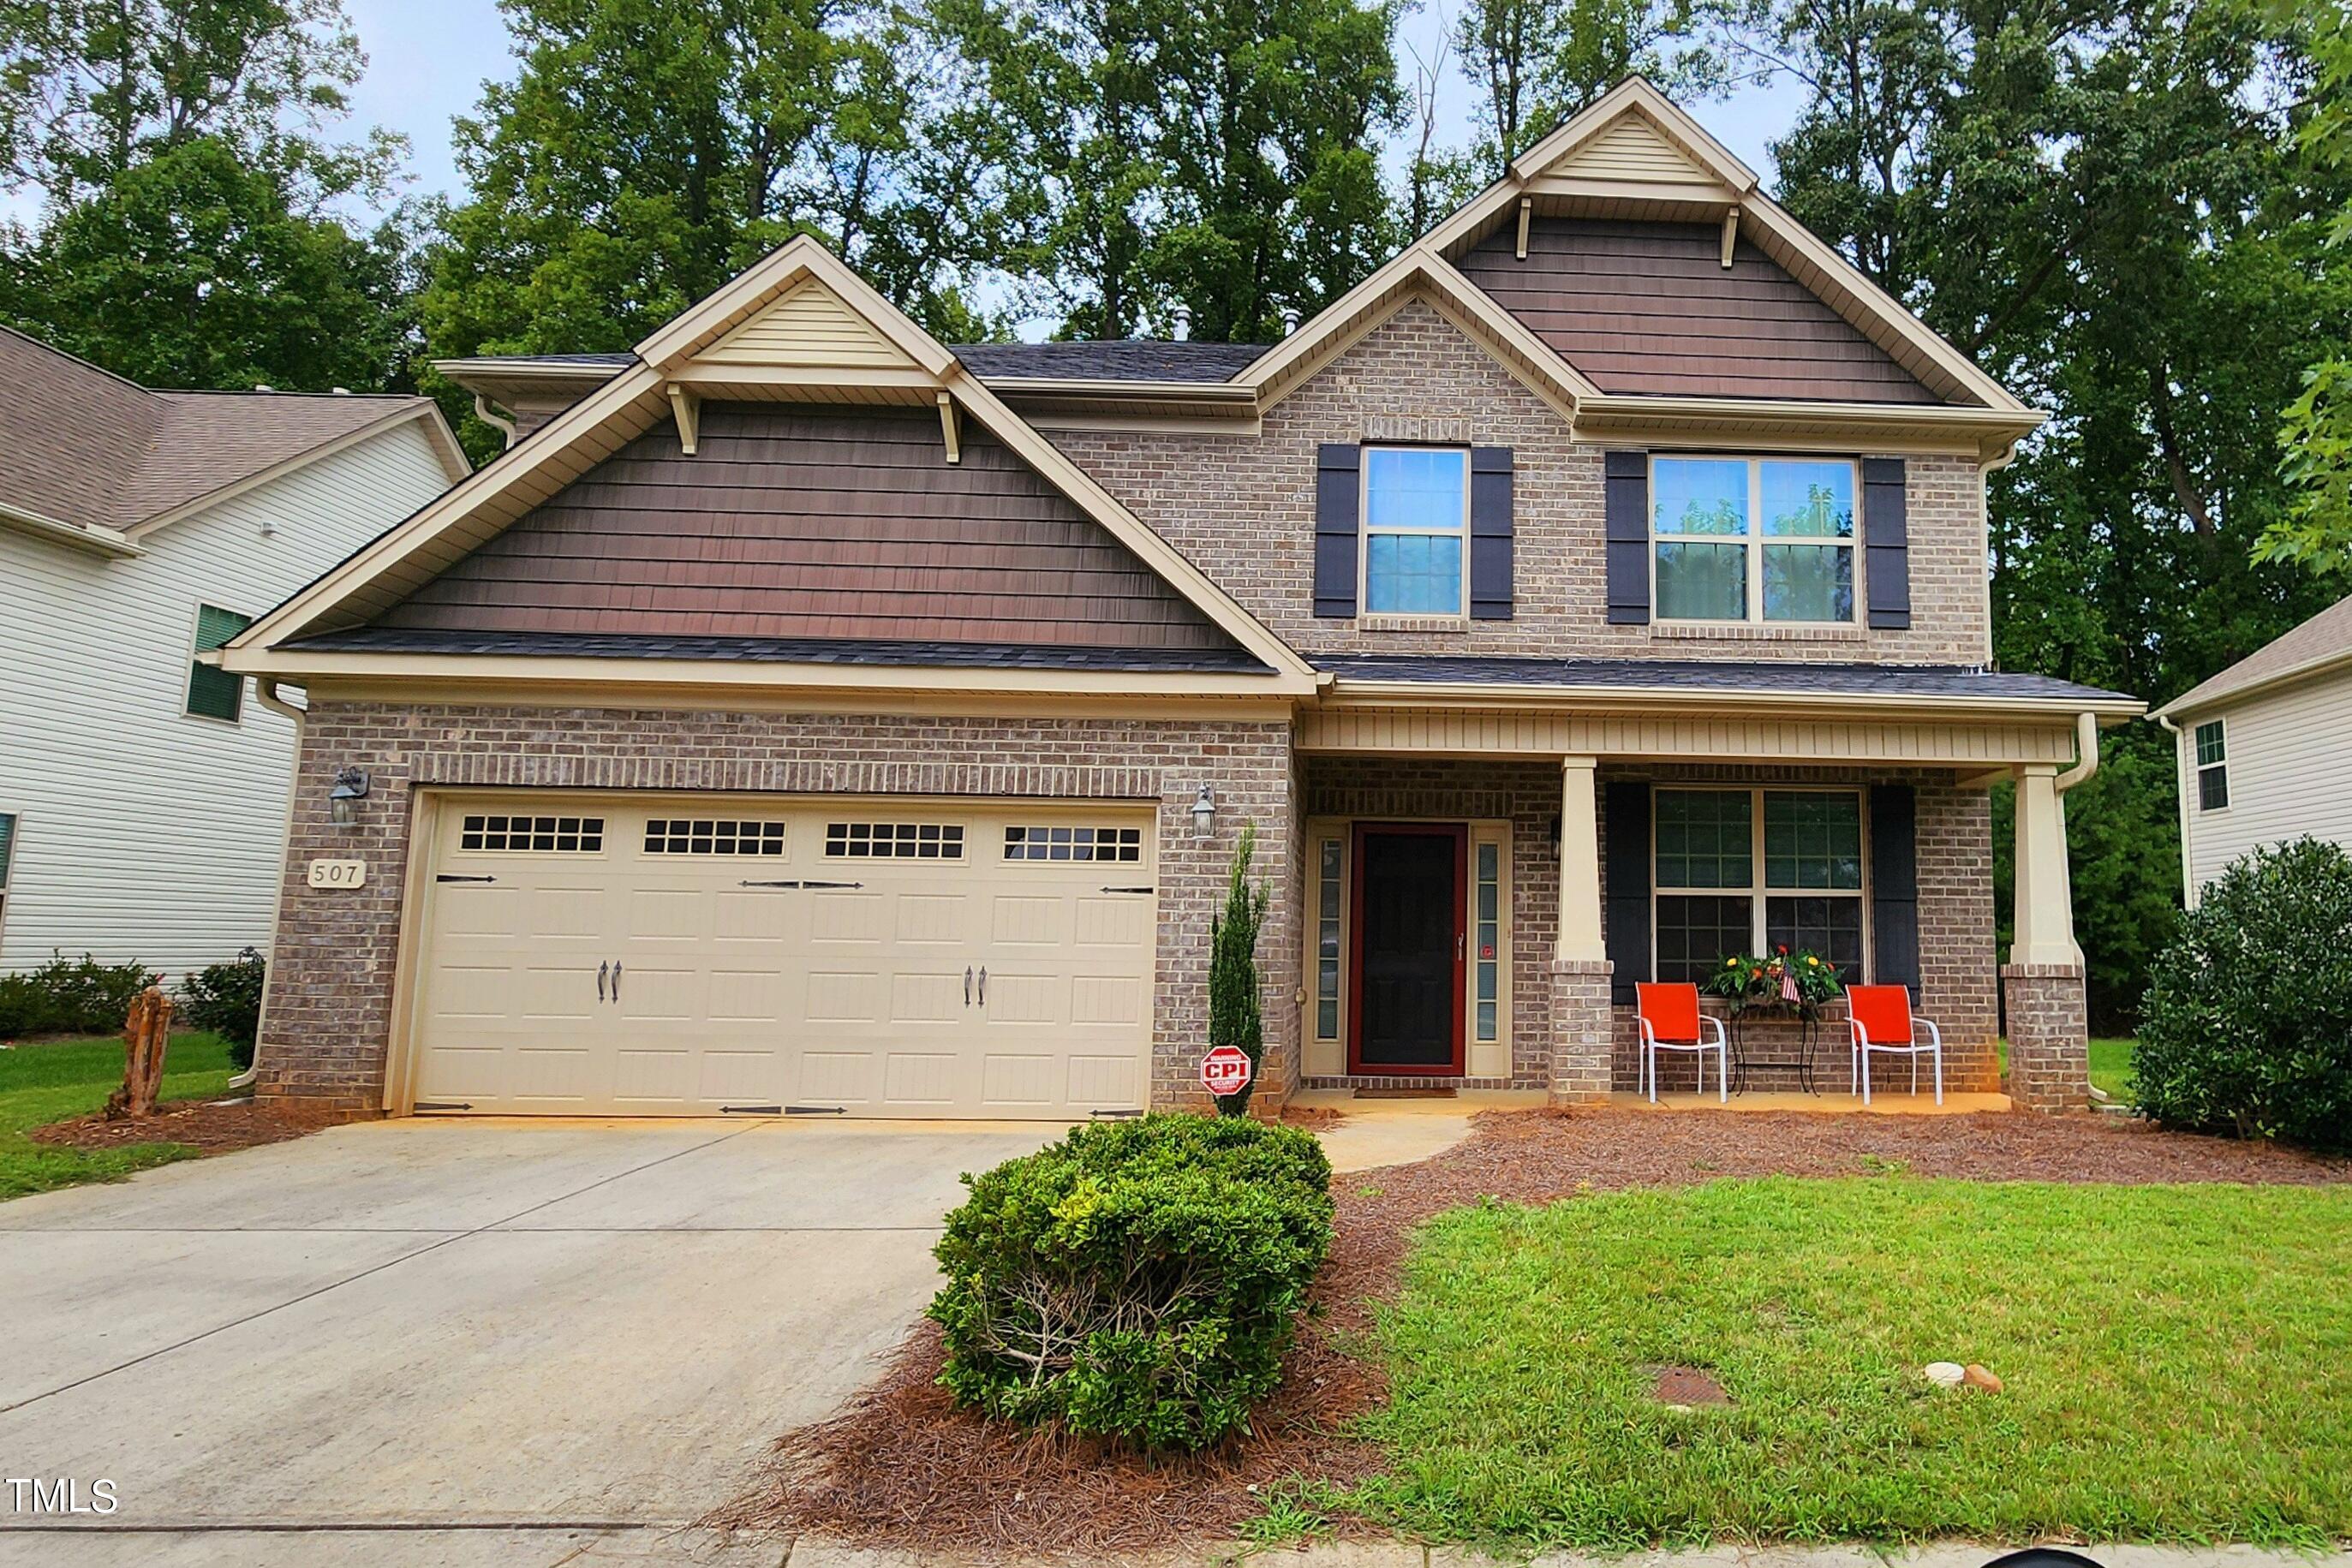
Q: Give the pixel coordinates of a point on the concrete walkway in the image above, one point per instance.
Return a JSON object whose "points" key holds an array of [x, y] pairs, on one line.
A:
{"points": [[422, 1341]]}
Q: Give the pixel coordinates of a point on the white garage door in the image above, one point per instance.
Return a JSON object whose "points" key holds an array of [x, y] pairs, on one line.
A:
{"points": [[704, 956]]}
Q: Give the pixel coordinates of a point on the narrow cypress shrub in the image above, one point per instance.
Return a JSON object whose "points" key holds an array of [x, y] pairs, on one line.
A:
{"points": [[1234, 1014]]}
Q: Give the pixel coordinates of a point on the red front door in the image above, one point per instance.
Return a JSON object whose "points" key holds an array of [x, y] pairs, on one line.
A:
{"points": [[1410, 918]]}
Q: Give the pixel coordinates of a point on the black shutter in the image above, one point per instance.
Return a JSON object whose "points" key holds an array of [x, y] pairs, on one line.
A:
{"points": [[1490, 533], [1337, 489], [1894, 885], [1625, 881], [1886, 542], [1626, 490]]}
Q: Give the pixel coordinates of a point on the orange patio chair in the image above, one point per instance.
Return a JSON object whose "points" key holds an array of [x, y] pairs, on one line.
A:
{"points": [[1880, 1019], [1670, 1021]]}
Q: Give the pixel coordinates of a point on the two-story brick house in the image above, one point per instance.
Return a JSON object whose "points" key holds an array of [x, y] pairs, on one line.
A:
{"points": [[804, 714]]}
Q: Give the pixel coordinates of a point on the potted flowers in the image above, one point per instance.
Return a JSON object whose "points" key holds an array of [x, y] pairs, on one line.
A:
{"points": [[1798, 982]]}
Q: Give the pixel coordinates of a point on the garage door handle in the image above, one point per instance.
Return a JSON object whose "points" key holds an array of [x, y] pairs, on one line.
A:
{"points": [[967, 985], [1127, 890], [602, 970], [983, 985], [616, 980]]}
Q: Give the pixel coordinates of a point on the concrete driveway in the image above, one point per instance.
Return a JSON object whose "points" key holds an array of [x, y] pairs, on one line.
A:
{"points": [[433, 1342]]}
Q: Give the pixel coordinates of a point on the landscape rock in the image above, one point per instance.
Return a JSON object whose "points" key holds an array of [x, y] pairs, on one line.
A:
{"points": [[1945, 1374], [1977, 1376]]}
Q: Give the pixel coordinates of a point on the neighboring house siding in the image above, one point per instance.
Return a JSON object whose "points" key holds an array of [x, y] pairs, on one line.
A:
{"points": [[1242, 508], [144, 834], [2287, 755], [809, 523], [1651, 309], [331, 996]]}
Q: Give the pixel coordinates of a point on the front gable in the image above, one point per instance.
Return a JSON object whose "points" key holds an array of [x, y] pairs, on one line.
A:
{"points": [[808, 324]]}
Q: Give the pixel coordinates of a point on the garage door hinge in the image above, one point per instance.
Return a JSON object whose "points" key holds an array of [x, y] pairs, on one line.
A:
{"points": [[751, 1110], [447, 876], [442, 1105], [1114, 1115], [816, 1110], [807, 884], [1127, 890]]}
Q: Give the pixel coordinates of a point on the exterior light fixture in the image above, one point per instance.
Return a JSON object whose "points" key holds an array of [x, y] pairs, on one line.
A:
{"points": [[350, 786], [1205, 815]]}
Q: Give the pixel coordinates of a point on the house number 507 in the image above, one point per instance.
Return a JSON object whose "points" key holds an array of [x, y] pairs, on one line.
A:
{"points": [[339, 873]]}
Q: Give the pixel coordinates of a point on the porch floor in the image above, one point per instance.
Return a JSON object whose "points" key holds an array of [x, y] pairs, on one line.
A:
{"points": [[1882, 1102]]}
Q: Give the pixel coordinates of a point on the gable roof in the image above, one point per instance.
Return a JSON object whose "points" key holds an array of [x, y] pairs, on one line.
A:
{"points": [[822, 336], [96, 460], [2319, 645]]}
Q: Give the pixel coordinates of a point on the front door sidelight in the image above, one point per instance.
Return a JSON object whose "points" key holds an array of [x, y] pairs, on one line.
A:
{"points": [[1410, 926]]}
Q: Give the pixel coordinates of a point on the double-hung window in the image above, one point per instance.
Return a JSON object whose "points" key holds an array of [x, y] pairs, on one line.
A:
{"points": [[1416, 516], [1750, 538], [1750, 870], [214, 693], [2212, 766]]}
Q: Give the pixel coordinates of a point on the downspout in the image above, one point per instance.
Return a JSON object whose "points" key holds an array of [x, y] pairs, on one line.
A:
{"points": [[2086, 749], [265, 690], [2181, 774], [496, 422]]}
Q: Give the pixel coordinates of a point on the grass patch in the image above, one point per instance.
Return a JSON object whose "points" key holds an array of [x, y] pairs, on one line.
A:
{"points": [[2111, 1068], [2175, 1360], [45, 1084]]}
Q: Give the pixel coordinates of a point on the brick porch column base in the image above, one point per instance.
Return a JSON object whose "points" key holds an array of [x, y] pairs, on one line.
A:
{"points": [[1581, 1027], [2049, 1036]]}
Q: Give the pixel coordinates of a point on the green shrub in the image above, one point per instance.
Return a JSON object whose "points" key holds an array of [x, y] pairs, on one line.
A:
{"points": [[1136, 1280], [226, 1000], [2247, 1027], [71, 996]]}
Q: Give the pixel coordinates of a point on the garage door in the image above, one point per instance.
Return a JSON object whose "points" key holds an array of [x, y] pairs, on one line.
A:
{"points": [[699, 956]]}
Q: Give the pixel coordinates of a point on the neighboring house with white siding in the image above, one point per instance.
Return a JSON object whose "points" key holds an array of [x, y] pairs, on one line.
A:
{"points": [[2264, 748], [142, 796]]}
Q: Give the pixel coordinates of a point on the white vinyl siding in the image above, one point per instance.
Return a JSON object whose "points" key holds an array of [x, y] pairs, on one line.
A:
{"points": [[2285, 757], [152, 835]]}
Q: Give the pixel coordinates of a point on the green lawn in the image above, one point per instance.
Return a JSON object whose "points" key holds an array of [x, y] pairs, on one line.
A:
{"points": [[2178, 1363], [45, 1084]]}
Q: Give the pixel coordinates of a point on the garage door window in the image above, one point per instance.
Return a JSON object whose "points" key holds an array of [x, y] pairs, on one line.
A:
{"points": [[893, 841], [712, 836], [558, 835], [1074, 843]]}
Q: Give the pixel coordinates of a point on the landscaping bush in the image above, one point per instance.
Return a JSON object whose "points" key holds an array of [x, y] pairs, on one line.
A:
{"points": [[226, 1000], [70, 995], [1138, 1281], [2247, 1027]]}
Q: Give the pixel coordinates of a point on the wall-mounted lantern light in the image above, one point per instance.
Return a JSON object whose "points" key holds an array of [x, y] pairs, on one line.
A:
{"points": [[351, 787], [1205, 815]]}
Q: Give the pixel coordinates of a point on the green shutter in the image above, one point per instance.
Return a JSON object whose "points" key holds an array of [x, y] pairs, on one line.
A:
{"points": [[214, 693], [7, 843]]}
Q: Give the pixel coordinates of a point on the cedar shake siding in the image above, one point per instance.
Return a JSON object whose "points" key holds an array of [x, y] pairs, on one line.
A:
{"points": [[813, 523], [1651, 309]]}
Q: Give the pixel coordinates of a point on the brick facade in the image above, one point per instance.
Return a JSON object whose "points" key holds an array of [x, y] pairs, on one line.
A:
{"points": [[2049, 1036], [331, 981], [1242, 508]]}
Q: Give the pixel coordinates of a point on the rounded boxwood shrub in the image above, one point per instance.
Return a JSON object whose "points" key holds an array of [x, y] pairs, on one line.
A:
{"points": [[2247, 1027], [1138, 1281], [226, 1000]]}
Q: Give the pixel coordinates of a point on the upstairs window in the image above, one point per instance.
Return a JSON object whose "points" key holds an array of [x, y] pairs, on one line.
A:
{"points": [[214, 692], [1752, 540], [2212, 767], [1416, 516]]}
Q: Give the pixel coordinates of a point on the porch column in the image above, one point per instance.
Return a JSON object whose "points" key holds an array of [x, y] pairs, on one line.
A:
{"points": [[2042, 984], [1582, 1019]]}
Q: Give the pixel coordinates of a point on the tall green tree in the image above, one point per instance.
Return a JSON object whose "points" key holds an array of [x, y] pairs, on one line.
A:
{"points": [[1220, 157], [650, 150], [2103, 202], [193, 228], [1532, 63]]}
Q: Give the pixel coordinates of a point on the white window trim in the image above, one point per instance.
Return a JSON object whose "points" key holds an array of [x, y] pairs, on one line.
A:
{"points": [[2201, 767], [195, 629], [1755, 892], [1754, 538], [1407, 621]]}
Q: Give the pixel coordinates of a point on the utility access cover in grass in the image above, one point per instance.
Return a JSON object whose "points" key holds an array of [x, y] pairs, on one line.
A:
{"points": [[2178, 1363]]}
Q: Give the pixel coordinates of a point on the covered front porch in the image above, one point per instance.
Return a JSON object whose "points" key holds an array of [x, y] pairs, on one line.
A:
{"points": [[1477, 912]]}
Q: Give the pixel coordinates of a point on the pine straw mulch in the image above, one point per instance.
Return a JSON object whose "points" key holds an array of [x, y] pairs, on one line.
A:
{"points": [[212, 1127], [901, 1467]]}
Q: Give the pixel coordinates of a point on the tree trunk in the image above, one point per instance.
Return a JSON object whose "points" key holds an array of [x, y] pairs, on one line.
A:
{"points": [[144, 1038]]}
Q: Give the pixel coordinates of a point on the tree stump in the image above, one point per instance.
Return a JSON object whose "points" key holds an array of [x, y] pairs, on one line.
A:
{"points": [[145, 1037]]}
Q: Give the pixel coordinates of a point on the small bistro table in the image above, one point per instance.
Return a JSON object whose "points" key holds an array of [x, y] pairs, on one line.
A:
{"points": [[1808, 1023]]}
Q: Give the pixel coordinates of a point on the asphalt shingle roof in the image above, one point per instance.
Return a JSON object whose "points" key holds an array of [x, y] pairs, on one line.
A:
{"points": [[1119, 360], [776, 650], [2324, 634], [1695, 675]]}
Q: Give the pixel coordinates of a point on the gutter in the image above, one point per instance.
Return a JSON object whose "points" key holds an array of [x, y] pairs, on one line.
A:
{"points": [[2086, 747], [93, 539], [1930, 706], [266, 692]]}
